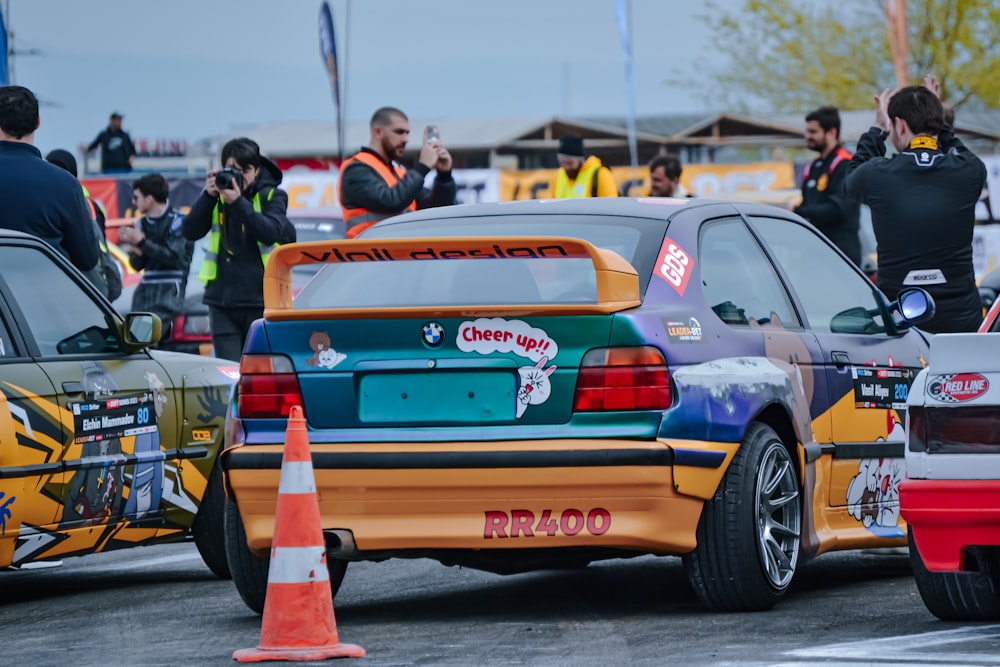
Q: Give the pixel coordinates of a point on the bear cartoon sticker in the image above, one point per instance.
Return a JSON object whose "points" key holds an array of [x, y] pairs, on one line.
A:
{"points": [[323, 354], [495, 334]]}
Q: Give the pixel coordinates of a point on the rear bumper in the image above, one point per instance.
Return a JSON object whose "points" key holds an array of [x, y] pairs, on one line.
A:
{"points": [[390, 497], [948, 516]]}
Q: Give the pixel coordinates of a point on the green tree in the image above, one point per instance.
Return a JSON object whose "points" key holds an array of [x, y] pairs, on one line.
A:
{"points": [[794, 55]]}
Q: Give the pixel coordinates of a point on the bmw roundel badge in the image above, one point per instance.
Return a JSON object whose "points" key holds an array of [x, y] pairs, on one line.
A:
{"points": [[433, 334]]}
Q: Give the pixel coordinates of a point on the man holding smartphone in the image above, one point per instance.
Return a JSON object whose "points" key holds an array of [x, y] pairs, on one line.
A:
{"points": [[374, 186]]}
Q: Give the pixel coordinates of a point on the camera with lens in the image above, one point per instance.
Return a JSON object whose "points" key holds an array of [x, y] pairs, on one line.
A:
{"points": [[225, 177]]}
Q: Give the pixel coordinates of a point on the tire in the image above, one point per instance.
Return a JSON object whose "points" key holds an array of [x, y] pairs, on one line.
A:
{"points": [[209, 526], [749, 533], [960, 596], [250, 572]]}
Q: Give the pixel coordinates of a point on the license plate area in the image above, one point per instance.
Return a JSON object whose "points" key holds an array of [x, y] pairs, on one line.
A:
{"points": [[442, 396]]}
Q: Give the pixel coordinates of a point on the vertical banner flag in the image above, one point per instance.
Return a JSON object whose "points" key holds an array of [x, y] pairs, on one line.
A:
{"points": [[4, 71], [328, 51], [623, 30]]}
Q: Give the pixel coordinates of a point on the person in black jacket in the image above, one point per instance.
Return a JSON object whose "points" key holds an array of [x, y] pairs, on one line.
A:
{"points": [[824, 202], [245, 214], [374, 186], [38, 197], [117, 149], [158, 249], [923, 202]]}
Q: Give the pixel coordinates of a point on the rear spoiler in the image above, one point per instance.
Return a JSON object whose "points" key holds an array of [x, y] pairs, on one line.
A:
{"points": [[617, 280]]}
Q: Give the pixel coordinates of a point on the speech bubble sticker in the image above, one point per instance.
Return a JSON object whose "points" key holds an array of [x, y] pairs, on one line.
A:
{"points": [[495, 334]]}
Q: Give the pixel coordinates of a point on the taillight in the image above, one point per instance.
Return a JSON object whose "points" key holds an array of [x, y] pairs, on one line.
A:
{"points": [[623, 378], [268, 386], [191, 328]]}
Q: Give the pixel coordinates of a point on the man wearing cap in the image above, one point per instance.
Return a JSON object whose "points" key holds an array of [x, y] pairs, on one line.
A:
{"points": [[580, 176], [117, 149]]}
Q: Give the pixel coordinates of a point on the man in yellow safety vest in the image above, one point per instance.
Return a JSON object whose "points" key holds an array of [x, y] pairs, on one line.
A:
{"points": [[245, 214]]}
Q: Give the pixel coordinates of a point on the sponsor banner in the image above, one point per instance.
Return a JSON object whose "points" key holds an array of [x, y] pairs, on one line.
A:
{"points": [[105, 191], [985, 248], [473, 186], [701, 180], [313, 190]]}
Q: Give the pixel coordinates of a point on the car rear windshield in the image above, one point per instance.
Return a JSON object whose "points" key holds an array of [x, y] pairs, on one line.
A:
{"points": [[484, 281]]}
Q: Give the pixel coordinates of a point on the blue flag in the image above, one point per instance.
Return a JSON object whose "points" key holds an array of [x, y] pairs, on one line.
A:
{"points": [[4, 70], [328, 51]]}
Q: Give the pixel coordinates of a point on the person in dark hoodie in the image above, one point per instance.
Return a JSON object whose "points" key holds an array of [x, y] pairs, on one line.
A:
{"points": [[245, 214], [40, 198]]}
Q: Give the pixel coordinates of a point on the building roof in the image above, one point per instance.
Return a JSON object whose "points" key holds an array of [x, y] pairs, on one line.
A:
{"points": [[293, 139]]}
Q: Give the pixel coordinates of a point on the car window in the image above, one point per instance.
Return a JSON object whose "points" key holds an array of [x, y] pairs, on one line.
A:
{"points": [[834, 296], [738, 281], [451, 283], [636, 239], [7, 349], [61, 317]]}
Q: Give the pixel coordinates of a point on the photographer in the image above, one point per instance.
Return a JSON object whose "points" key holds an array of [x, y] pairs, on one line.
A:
{"points": [[374, 186], [244, 213]]}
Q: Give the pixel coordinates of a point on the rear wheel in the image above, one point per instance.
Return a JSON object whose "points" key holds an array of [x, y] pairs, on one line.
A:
{"points": [[749, 533], [209, 526], [960, 596], [250, 571]]}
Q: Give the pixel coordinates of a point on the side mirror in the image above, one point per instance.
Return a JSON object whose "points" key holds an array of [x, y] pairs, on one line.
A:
{"points": [[142, 330], [914, 306]]}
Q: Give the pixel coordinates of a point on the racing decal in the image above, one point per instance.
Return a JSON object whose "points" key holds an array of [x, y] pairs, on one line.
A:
{"points": [[213, 402], [674, 265], [32, 541], [533, 386], [323, 355], [231, 372], [433, 334], [113, 418], [957, 387], [523, 523], [495, 334], [95, 494], [147, 475], [5, 513], [446, 249], [683, 332], [881, 388], [873, 496]]}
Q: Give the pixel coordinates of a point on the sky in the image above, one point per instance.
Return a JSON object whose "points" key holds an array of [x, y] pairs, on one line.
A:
{"points": [[185, 70]]}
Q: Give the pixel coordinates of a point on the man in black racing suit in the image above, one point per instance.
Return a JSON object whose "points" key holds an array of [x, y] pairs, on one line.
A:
{"points": [[922, 201]]}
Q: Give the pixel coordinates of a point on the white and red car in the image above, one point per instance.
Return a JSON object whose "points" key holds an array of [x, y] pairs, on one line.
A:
{"points": [[951, 497]]}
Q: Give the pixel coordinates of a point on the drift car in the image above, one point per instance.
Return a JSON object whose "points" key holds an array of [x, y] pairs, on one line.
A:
{"points": [[545, 383], [104, 444], [951, 497]]}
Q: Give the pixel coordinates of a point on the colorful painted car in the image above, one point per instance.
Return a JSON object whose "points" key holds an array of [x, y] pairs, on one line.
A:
{"points": [[951, 497], [545, 383], [104, 444]]}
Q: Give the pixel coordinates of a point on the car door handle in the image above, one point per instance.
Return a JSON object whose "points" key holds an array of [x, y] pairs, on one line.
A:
{"points": [[73, 387], [840, 359]]}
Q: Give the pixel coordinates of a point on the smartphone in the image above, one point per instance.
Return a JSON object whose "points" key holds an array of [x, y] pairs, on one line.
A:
{"points": [[433, 134]]}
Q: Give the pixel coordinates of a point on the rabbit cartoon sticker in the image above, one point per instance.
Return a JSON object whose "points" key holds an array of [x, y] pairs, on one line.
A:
{"points": [[533, 386]]}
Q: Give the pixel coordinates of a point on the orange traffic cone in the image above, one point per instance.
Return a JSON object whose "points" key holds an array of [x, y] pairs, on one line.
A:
{"points": [[298, 622]]}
